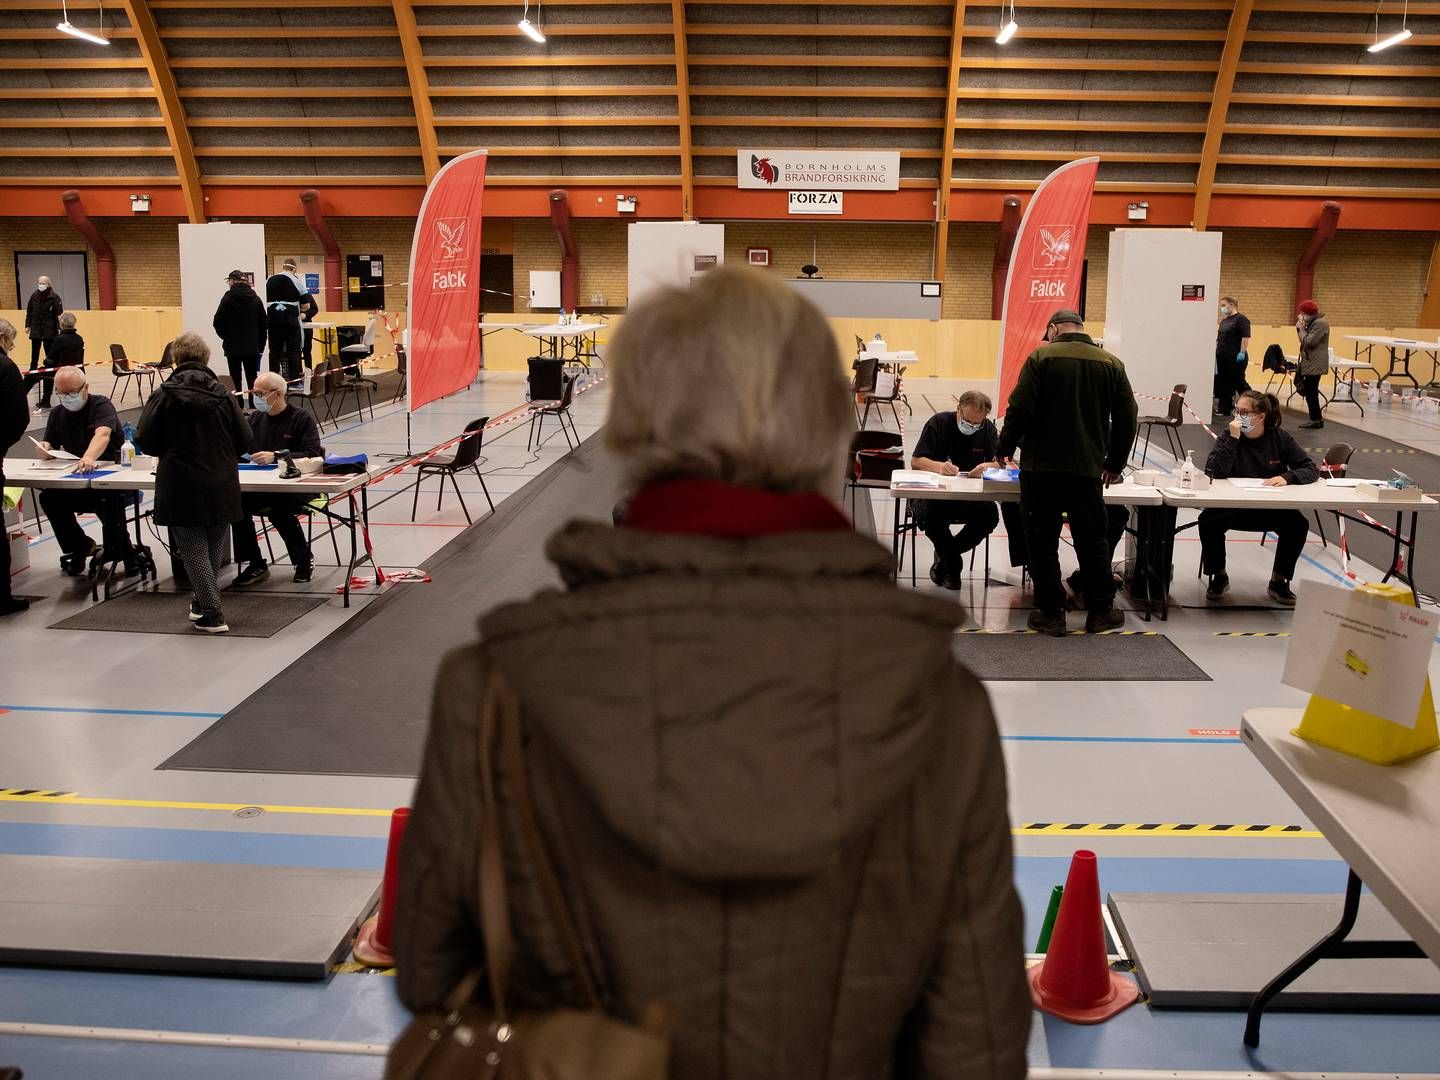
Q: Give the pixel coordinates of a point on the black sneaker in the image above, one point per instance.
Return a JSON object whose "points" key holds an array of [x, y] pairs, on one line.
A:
{"points": [[937, 571], [195, 613], [212, 624], [1218, 587], [13, 605], [253, 574], [1312, 425], [1279, 591], [74, 563], [953, 569], [303, 573], [1099, 621], [1052, 623]]}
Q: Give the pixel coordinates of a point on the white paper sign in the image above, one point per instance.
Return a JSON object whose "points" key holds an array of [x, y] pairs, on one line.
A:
{"points": [[817, 202], [1360, 650], [818, 170]]}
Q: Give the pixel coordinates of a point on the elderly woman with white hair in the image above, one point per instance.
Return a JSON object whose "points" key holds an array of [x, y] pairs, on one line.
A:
{"points": [[771, 799]]}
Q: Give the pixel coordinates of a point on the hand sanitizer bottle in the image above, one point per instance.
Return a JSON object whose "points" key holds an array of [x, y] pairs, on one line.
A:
{"points": [[127, 448], [1188, 471]]}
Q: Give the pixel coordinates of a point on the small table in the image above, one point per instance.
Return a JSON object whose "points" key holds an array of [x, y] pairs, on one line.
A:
{"points": [[1400, 350], [328, 335], [1344, 371], [572, 342], [1382, 819]]}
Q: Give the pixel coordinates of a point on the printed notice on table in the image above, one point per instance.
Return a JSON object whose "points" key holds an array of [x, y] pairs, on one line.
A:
{"points": [[1360, 650]]}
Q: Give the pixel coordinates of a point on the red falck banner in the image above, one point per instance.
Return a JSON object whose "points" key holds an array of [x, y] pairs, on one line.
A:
{"points": [[444, 326], [1045, 265]]}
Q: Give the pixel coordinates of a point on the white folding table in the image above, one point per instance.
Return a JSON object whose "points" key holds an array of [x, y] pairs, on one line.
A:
{"points": [[1400, 350]]}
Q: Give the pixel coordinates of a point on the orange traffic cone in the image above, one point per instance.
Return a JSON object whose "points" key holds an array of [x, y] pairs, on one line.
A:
{"points": [[1075, 982], [372, 943]]}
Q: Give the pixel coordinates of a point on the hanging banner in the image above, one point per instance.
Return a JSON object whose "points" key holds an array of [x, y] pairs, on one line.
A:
{"points": [[1045, 266], [444, 348]]}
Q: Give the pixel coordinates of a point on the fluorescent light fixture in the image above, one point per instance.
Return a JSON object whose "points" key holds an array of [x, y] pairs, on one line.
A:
{"points": [[1006, 32], [1393, 39], [65, 26], [531, 31]]}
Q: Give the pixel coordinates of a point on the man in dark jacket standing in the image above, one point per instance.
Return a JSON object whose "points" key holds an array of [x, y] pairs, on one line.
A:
{"points": [[196, 429], [283, 300], [14, 418], [42, 319], [1314, 331], [1074, 414], [240, 321]]}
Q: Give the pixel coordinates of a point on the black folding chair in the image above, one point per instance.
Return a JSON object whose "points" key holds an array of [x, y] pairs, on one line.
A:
{"points": [[467, 454], [561, 411]]}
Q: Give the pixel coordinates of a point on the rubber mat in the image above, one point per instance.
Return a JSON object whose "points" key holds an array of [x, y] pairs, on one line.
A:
{"points": [[1117, 657], [248, 614], [364, 691]]}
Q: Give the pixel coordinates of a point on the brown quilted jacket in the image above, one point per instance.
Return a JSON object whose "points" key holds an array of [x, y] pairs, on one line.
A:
{"points": [[775, 802]]}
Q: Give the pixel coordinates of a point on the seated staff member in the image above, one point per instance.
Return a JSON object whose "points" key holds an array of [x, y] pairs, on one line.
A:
{"points": [[952, 443], [1253, 445], [86, 425], [274, 426]]}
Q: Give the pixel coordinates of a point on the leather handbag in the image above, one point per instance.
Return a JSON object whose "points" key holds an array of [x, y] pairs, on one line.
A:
{"points": [[476, 1041]]}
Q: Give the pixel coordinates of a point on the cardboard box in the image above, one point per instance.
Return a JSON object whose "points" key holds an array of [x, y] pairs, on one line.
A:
{"points": [[1386, 494], [19, 552]]}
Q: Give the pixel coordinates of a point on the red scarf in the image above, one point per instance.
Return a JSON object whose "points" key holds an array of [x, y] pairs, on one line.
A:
{"points": [[729, 511]]}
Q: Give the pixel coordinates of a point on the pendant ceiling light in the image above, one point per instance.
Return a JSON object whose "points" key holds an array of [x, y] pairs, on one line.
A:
{"points": [[532, 30], [1007, 26], [65, 26], [1403, 34]]}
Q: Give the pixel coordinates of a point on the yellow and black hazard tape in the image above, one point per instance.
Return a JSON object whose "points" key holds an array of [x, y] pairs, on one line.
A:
{"points": [[354, 967], [34, 793], [1051, 828], [1251, 633], [1071, 633], [1369, 450]]}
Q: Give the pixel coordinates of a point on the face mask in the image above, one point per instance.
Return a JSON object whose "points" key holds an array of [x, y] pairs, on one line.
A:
{"points": [[967, 428], [1247, 422], [43, 288], [73, 402], [262, 404], [1224, 310]]}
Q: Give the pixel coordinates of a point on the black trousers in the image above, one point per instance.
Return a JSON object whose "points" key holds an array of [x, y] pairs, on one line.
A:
{"points": [[935, 516], [1291, 526], [1044, 499], [247, 365], [307, 348], [1309, 387], [285, 349], [1229, 381], [4, 548], [281, 511], [47, 382], [62, 506]]}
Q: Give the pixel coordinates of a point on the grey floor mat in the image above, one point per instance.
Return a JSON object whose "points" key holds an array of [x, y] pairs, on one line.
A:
{"points": [[1120, 657], [248, 614], [367, 686]]}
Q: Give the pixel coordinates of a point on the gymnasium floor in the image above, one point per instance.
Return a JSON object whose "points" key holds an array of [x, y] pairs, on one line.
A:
{"points": [[94, 714]]}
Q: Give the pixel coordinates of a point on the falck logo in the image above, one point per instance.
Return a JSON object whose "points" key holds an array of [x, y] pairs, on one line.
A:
{"points": [[761, 169], [1054, 250], [452, 238]]}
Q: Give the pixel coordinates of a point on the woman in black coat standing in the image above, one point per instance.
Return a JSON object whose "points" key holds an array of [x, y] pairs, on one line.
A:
{"points": [[42, 319], [241, 323], [195, 427]]}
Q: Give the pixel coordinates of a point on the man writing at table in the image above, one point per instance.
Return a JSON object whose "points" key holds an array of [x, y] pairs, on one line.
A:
{"points": [[275, 428], [954, 444], [86, 425]]}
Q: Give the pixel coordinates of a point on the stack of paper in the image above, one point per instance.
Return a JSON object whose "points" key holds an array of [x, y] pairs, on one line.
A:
{"points": [[915, 478]]}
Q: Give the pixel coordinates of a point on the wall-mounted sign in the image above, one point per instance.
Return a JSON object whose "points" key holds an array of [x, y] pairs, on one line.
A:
{"points": [[1192, 292], [706, 262], [817, 202], [818, 170], [757, 256]]}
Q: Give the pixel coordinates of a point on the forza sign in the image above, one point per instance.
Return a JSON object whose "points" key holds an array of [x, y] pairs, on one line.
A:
{"points": [[818, 170], [817, 202]]}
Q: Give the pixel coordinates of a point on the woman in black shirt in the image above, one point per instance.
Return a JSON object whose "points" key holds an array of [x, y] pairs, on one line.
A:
{"points": [[1254, 445]]}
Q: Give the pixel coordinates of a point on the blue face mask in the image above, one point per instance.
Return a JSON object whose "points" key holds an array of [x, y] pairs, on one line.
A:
{"points": [[1247, 422], [73, 402], [967, 428], [262, 404]]}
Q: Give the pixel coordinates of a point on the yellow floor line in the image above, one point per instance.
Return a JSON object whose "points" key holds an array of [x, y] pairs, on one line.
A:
{"points": [[1049, 828], [72, 799]]}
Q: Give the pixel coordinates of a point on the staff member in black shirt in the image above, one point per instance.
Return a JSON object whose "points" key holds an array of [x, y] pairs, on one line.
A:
{"points": [[275, 428], [1254, 445], [86, 425], [1232, 354], [953, 443], [283, 300]]}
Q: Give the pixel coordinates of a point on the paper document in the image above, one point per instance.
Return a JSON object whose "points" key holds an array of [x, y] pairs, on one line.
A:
{"points": [[63, 455], [915, 478], [1247, 482], [1360, 650]]}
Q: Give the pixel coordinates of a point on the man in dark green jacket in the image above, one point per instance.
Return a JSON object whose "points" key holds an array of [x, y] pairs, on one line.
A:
{"points": [[1073, 413]]}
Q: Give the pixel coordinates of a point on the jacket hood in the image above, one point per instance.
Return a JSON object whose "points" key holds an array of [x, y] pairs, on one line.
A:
{"points": [[736, 710], [195, 386]]}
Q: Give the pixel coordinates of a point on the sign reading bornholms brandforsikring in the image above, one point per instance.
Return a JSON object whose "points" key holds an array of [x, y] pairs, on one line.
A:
{"points": [[818, 170]]}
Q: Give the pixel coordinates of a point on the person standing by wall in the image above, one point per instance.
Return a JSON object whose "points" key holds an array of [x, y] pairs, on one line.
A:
{"points": [[1232, 354], [42, 323], [14, 418], [241, 323], [1074, 414], [1314, 331]]}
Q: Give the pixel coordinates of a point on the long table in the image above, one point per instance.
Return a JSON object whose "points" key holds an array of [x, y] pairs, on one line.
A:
{"points": [[1383, 821], [1400, 350], [568, 342], [112, 477]]}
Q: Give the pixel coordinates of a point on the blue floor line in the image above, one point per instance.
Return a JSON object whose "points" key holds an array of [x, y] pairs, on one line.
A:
{"points": [[193, 845], [109, 712]]}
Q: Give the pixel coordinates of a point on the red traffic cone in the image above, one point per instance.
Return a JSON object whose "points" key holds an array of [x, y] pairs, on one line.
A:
{"points": [[372, 943], [1075, 982]]}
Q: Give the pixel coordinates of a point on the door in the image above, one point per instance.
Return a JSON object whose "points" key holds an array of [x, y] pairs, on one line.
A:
{"points": [[68, 273]]}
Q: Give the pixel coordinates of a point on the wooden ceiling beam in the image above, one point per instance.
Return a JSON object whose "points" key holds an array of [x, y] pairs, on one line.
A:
{"points": [[271, 93], [552, 30], [1220, 110], [556, 121], [162, 80], [1352, 131], [69, 122], [278, 62], [307, 151], [1326, 191], [300, 122], [1066, 154], [1118, 124], [539, 61], [419, 85], [947, 142], [1393, 71], [915, 153], [95, 93], [1010, 63], [569, 151], [1370, 101], [920, 122], [306, 30], [1098, 33], [98, 63], [1004, 93], [552, 91], [681, 37], [89, 151], [1320, 37], [814, 60], [803, 30], [777, 91], [1326, 161]]}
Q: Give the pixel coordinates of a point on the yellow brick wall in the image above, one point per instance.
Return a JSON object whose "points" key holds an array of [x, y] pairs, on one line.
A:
{"points": [[603, 260], [841, 249], [37, 234]]}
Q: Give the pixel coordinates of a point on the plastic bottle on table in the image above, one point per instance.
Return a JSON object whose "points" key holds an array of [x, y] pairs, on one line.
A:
{"points": [[1188, 471], [127, 448]]}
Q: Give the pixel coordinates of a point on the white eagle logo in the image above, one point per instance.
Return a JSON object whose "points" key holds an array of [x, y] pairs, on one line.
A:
{"points": [[1055, 249], [452, 237]]}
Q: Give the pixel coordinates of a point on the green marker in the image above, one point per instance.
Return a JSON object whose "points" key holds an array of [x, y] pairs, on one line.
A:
{"points": [[1043, 944]]}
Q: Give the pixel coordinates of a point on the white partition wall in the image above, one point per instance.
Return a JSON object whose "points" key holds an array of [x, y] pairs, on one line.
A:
{"points": [[207, 253], [671, 253], [1161, 309]]}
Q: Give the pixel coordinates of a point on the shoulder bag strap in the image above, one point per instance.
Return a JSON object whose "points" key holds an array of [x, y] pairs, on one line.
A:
{"points": [[509, 722], [494, 909]]}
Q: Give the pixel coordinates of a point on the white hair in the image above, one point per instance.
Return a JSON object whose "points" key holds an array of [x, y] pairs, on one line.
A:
{"points": [[269, 380], [189, 349], [7, 332], [67, 321], [737, 378]]}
